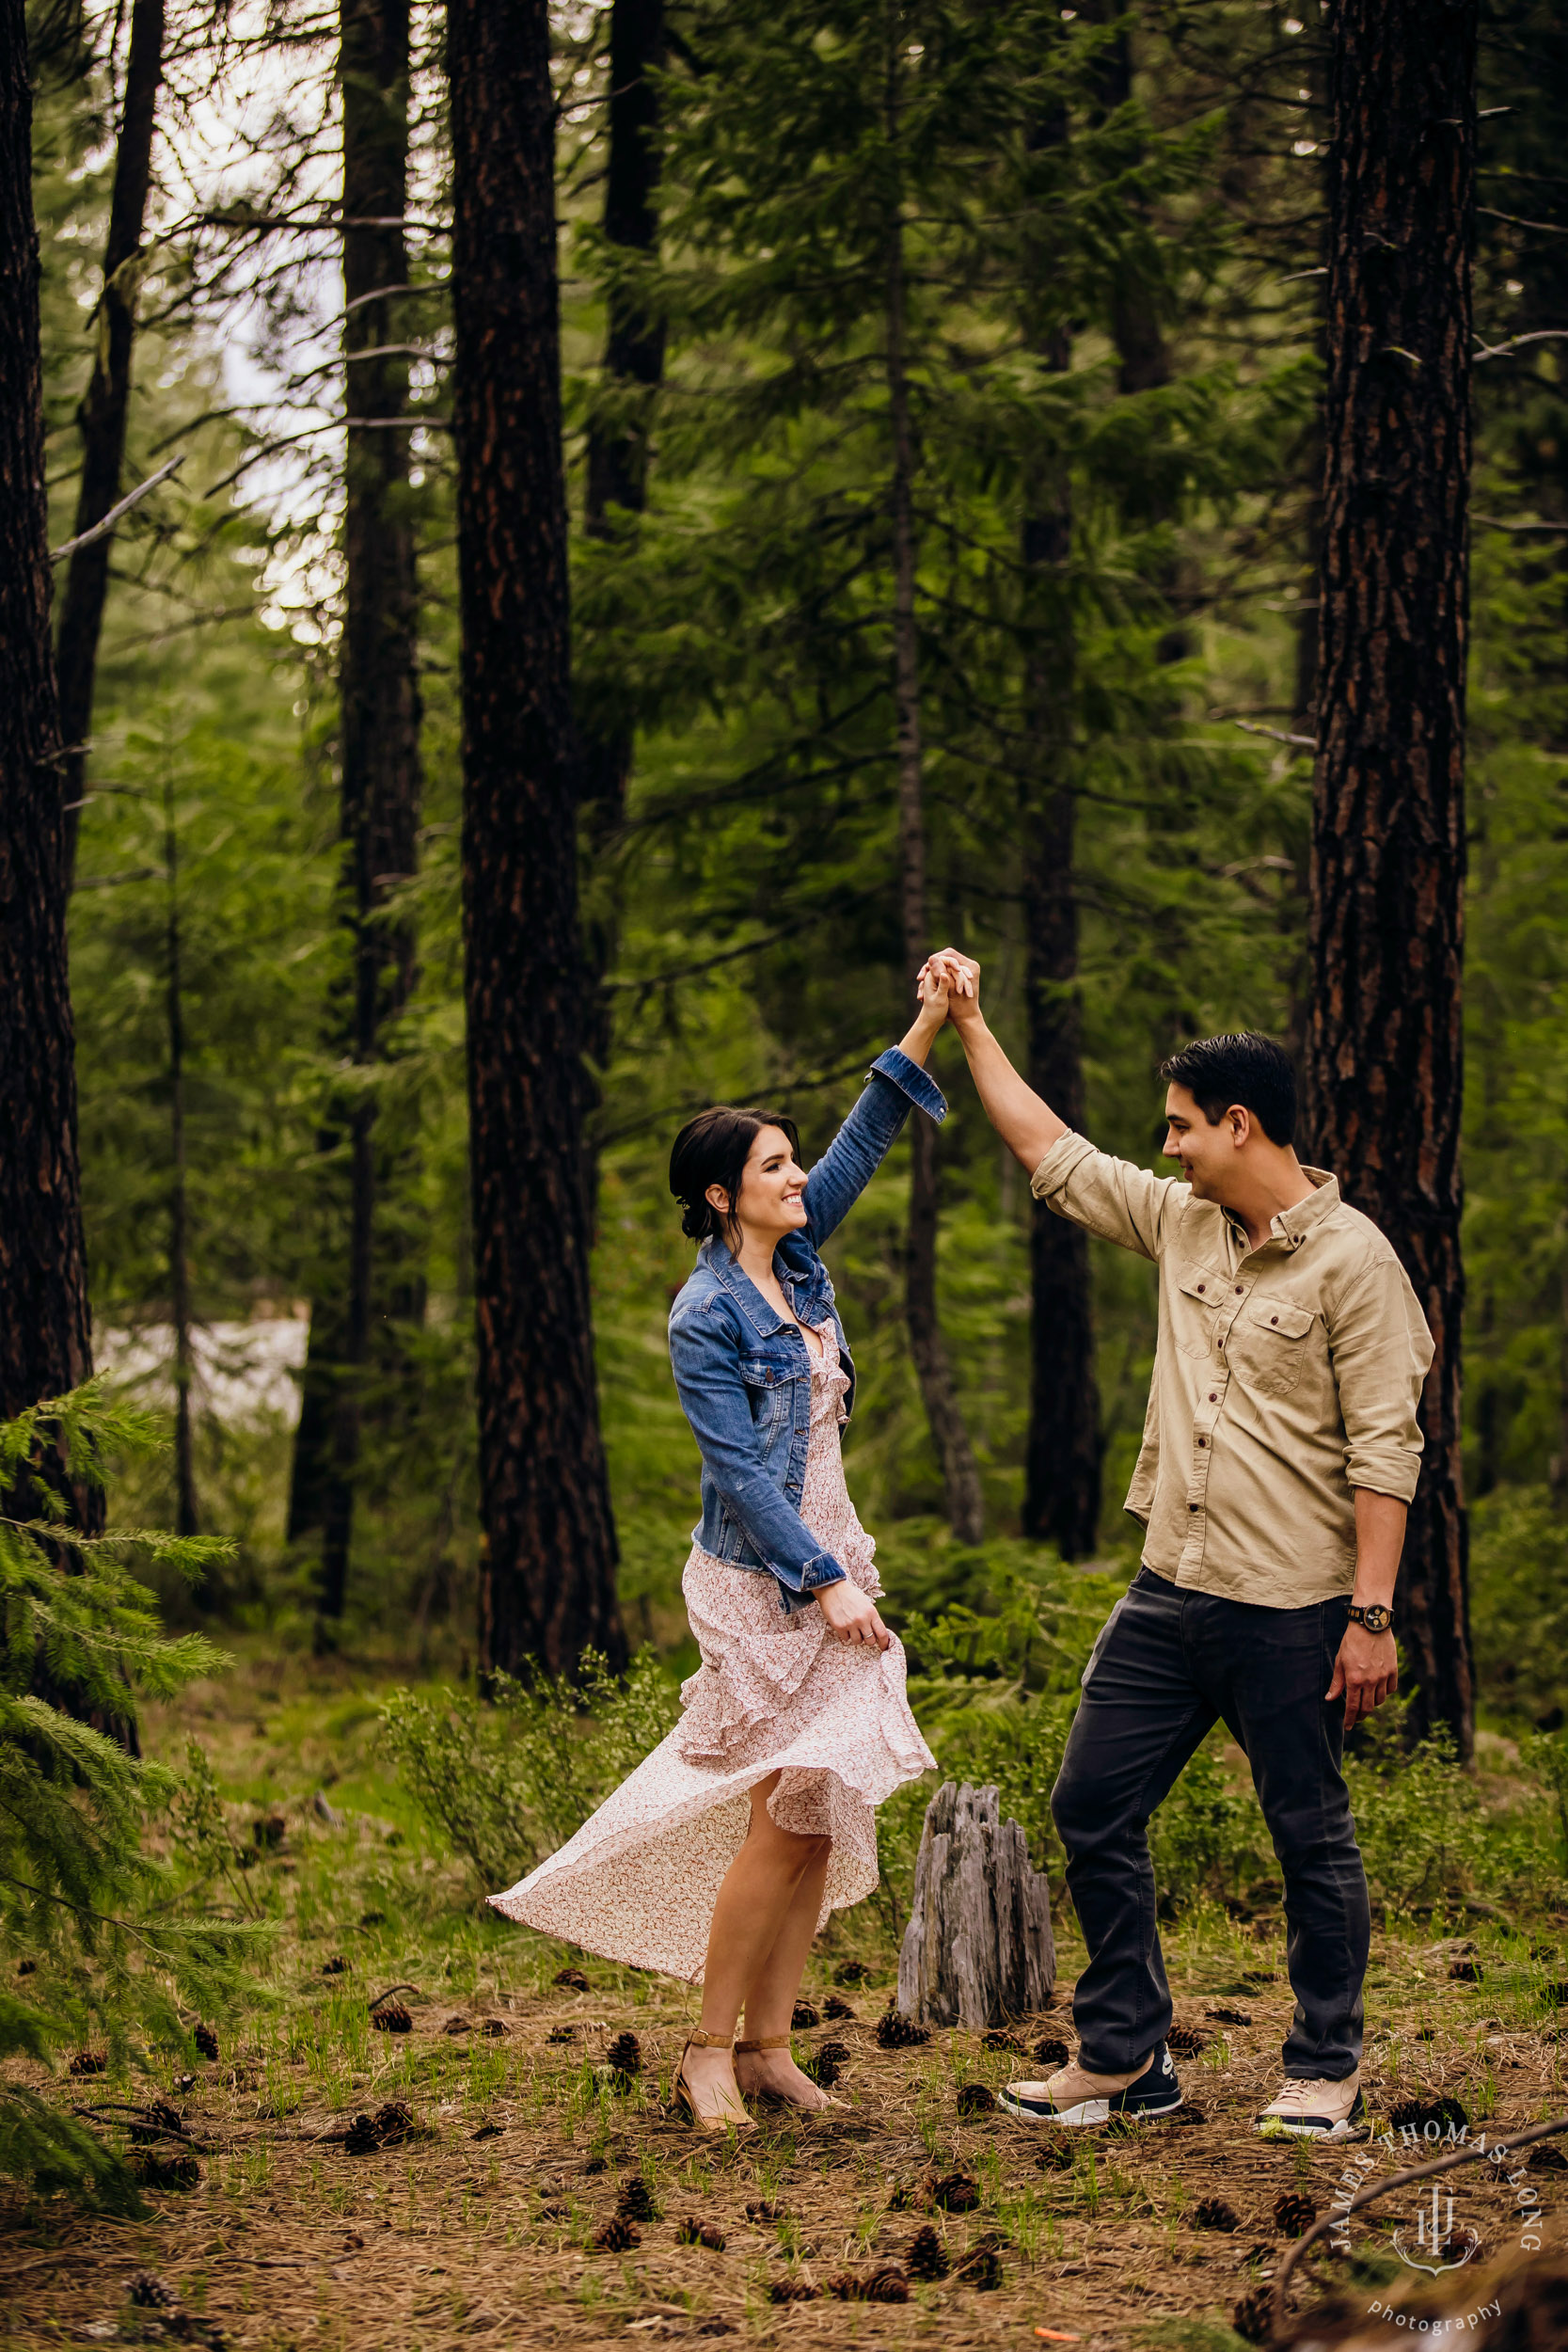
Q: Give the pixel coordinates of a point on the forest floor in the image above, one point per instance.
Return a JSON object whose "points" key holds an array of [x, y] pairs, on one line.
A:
{"points": [[521, 2140]]}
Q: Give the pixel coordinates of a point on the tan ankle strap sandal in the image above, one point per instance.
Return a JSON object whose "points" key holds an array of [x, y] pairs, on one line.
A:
{"points": [[767, 2042], [730, 2117]]}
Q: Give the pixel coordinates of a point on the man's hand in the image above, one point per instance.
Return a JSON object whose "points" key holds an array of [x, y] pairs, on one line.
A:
{"points": [[1367, 1670], [960, 975]]}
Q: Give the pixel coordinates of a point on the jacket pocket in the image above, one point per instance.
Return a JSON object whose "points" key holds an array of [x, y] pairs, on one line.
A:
{"points": [[1268, 1345], [770, 1394]]}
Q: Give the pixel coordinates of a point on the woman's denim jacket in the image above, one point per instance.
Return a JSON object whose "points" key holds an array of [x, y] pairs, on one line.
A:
{"points": [[743, 1373]]}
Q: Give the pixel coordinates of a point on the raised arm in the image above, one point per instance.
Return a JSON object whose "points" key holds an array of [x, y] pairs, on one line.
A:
{"points": [[897, 1082], [1026, 1125]]}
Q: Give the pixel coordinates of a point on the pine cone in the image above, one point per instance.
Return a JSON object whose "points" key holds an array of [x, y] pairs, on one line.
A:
{"points": [[624, 2055], [886, 2286], [837, 2011], [804, 2017], [895, 2033], [391, 2017], [928, 2256], [596, 2165], [89, 2062], [1187, 2040], [269, 1833], [461, 2024], [573, 1978], [998, 2038], [336, 1966], [902, 2198], [1213, 2213], [1252, 2317], [763, 2209], [792, 2291], [981, 2267], [694, 2233], [1056, 2157], [155, 2171], [826, 2063], [388, 2127], [1294, 2214], [1053, 2051], [856, 1972], [975, 2098], [955, 2193], [1546, 2160], [494, 2028], [148, 2292], [1417, 2114], [1463, 1972], [1460, 2246], [26, 1968], [557, 2033], [848, 2286], [617, 2236], [635, 2203]]}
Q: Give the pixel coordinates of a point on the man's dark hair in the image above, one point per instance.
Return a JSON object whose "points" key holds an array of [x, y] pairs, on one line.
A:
{"points": [[713, 1149], [1241, 1066]]}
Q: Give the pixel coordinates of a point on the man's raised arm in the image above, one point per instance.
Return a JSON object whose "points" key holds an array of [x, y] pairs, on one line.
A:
{"points": [[1026, 1125]]}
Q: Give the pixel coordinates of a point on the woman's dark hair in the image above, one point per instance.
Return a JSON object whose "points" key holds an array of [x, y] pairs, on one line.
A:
{"points": [[713, 1149], [1241, 1066]]}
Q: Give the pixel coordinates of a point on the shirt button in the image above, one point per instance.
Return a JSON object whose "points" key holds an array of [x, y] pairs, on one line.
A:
{"points": [[1203, 1287], [1273, 1318], [1213, 1396], [1237, 1290], [1203, 1442], [1192, 1506]]}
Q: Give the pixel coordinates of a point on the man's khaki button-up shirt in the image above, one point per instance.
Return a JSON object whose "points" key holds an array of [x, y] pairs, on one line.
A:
{"points": [[1284, 1378]]}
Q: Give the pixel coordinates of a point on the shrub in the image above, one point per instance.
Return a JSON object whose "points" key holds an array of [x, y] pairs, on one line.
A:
{"points": [[507, 1783]]}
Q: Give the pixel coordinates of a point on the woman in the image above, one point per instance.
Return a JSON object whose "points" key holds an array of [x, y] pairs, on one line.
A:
{"points": [[724, 1854]]}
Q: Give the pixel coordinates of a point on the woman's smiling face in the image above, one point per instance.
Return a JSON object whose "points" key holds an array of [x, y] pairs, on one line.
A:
{"points": [[772, 1200]]}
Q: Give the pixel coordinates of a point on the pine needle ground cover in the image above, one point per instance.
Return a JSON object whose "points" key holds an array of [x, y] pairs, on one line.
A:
{"points": [[500, 2170]]}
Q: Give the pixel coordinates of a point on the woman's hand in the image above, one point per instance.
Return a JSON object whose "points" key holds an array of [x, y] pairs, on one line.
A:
{"points": [[960, 976], [851, 1616]]}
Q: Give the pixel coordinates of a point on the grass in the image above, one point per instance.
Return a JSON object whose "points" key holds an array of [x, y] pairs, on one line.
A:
{"points": [[484, 2226]]}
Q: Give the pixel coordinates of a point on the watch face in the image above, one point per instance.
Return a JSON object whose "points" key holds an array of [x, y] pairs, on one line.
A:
{"points": [[1377, 1619]]}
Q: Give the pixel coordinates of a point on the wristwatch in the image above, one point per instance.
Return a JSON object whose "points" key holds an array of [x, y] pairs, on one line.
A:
{"points": [[1374, 1616]]}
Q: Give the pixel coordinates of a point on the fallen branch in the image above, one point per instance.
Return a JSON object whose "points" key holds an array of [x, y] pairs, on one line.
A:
{"points": [[101, 530], [1336, 2218], [144, 2123], [390, 1990]]}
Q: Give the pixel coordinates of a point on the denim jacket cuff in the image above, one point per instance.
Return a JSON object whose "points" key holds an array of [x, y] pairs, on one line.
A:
{"points": [[912, 1080], [823, 1570]]}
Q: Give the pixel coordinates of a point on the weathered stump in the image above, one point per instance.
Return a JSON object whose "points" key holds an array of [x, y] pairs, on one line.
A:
{"points": [[979, 1948]]}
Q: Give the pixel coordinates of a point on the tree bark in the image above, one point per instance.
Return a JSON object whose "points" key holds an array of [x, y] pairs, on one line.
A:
{"points": [[44, 1325], [633, 370], [178, 1198], [961, 1478], [105, 408], [1383, 1049], [1062, 1456], [547, 1574], [381, 774]]}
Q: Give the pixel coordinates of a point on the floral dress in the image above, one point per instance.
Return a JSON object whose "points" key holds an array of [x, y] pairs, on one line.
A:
{"points": [[638, 1879]]}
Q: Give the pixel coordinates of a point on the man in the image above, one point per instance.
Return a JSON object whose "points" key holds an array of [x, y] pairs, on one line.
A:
{"points": [[1279, 1458]]}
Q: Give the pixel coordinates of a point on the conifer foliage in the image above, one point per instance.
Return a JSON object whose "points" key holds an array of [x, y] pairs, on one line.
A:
{"points": [[97, 1947]]}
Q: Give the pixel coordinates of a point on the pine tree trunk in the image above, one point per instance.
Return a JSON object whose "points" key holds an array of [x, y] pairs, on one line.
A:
{"points": [[44, 1325], [961, 1478], [618, 454], [104, 407], [1384, 1053], [547, 1575], [381, 774], [178, 1198]]}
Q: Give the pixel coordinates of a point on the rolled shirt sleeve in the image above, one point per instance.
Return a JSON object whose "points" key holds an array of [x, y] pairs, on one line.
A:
{"points": [[1381, 1352]]}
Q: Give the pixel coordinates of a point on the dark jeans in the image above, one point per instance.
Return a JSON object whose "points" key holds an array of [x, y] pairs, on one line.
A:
{"points": [[1167, 1665]]}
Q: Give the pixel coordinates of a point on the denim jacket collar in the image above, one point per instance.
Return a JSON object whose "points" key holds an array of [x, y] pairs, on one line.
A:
{"points": [[758, 1313]]}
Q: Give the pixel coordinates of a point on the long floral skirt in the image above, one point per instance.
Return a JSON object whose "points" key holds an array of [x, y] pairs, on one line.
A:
{"points": [[639, 1881]]}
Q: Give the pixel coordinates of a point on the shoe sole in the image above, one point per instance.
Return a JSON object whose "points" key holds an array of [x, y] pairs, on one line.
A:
{"points": [[1276, 2128], [1089, 2112]]}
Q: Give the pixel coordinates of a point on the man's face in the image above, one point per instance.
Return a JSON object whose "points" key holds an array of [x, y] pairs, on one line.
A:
{"points": [[1208, 1155]]}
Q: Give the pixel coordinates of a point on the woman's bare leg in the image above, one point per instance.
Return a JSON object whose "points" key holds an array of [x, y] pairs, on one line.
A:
{"points": [[758, 1894], [770, 1995]]}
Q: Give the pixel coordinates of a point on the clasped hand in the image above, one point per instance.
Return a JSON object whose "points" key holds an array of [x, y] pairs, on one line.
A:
{"points": [[851, 1615]]}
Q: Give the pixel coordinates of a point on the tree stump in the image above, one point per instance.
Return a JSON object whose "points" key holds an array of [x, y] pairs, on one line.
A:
{"points": [[978, 1948]]}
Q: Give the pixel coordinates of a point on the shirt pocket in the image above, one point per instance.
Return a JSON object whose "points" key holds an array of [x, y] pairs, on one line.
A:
{"points": [[1202, 1293], [1269, 1345]]}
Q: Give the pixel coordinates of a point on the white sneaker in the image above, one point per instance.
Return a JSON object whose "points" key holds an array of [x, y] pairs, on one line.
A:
{"points": [[1315, 2110], [1074, 2097]]}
